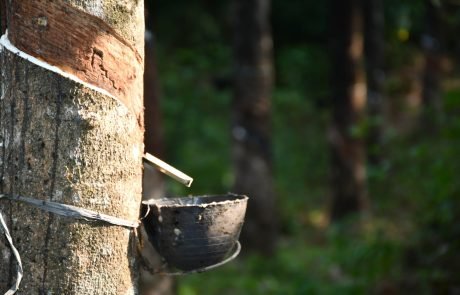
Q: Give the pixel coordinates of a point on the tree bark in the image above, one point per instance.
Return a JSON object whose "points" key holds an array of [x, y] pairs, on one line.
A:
{"points": [[251, 126], [348, 110], [374, 44], [72, 144]]}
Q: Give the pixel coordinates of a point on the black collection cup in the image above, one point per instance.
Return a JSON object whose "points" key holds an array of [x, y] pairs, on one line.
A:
{"points": [[194, 232]]}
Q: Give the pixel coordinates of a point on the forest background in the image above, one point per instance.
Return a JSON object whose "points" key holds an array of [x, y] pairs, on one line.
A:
{"points": [[345, 134]]}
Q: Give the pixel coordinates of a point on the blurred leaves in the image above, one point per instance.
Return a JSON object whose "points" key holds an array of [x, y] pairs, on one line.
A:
{"points": [[411, 234]]}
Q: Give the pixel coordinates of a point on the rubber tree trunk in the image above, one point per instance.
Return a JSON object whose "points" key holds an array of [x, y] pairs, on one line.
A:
{"points": [[374, 45], [251, 127], [348, 109], [72, 143]]}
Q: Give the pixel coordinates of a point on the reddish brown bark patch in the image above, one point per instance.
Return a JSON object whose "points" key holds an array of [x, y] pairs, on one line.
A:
{"points": [[80, 44]]}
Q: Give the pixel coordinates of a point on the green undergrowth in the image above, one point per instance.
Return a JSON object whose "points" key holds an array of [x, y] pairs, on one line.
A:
{"points": [[338, 265], [408, 242]]}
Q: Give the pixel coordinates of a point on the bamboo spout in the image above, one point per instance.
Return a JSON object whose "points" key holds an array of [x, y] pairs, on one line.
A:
{"points": [[168, 169]]}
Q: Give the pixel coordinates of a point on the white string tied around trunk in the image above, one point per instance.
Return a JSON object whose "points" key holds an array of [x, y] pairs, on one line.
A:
{"points": [[60, 209]]}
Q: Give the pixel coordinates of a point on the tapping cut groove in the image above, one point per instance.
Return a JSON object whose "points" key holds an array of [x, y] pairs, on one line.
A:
{"points": [[80, 44]]}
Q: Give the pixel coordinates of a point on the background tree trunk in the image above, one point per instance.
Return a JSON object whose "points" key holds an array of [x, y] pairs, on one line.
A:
{"points": [[431, 90], [153, 184], [348, 107], [374, 44], [251, 125], [65, 142]]}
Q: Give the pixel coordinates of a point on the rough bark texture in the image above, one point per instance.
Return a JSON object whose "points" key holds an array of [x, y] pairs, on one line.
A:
{"points": [[348, 107], [374, 50], [63, 142], [251, 126]]}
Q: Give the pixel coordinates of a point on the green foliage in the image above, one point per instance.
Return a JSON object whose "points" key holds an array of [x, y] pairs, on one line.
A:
{"points": [[196, 116], [338, 265], [305, 70], [291, 26], [410, 237]]}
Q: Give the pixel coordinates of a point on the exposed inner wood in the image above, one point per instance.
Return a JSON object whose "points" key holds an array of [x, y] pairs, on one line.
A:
{"points": [[80, 44]]}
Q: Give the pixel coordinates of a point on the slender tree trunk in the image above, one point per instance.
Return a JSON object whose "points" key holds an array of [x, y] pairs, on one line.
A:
{"points": [[348, 109], [251, 125], [153, 122], [431, 90], [72, 143], [153, 180], [154, 183], [374, 50]]}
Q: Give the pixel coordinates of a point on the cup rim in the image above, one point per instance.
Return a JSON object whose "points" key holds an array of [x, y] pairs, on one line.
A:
{"points": [[197, 201]]}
